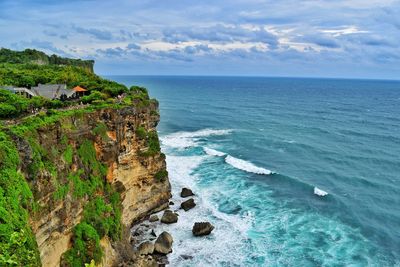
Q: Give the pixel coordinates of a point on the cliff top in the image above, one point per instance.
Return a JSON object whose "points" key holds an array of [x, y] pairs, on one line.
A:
{"points": [[32, 56]]}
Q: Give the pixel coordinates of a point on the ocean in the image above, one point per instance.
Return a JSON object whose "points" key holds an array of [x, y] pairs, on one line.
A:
{"points": [[290, 171]]}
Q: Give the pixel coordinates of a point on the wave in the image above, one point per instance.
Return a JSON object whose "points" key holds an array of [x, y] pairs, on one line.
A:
{"points": [[231, 230], [246, 166], [213, 152], [319, 192], [181, 140]]}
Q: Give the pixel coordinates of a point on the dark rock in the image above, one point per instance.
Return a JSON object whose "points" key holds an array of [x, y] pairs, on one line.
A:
{"points": [[169, 217], [163, 243], [186, 257], [202, 228], [146, 248], [188, 204], [153, 233], [171, 203], [186, 192], [153, 218]]}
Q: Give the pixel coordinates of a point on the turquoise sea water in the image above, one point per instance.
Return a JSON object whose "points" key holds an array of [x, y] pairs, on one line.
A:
{"points": [[223, 136]]}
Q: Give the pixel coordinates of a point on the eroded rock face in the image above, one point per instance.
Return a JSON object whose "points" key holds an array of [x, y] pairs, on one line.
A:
{"points": [[202, 228], [163, 243], [119, 148]]}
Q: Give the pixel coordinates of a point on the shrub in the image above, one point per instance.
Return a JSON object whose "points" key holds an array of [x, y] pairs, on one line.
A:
{"points": [[161, 175], [141, 132], [101, 130], [86, 246]]}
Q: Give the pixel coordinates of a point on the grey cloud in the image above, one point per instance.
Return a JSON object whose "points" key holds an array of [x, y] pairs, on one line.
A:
{"points": [[133, 46], [96, 33], [220, 33]]}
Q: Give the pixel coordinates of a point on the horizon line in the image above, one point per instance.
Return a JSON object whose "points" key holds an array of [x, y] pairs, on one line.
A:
{"points": [[255, 76]]}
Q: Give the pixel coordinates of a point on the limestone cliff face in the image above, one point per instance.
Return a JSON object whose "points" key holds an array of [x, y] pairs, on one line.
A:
{"points": [[119, 146]]}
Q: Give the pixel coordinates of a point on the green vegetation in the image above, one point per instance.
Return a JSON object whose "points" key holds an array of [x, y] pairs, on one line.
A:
{"points": [[83, 176], [68, 154], [28, 75], [12, 105], [17, 243], [101, 130], [102, 215], [152, 142], [38, 57], [141, 132], [161, 175]]}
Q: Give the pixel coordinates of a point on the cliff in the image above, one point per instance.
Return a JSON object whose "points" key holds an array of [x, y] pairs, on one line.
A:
{"points": [[93, 172], [32, 56]]}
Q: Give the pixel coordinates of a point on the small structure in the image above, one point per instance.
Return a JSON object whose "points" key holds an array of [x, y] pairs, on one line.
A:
{"points": [[78, 92]]}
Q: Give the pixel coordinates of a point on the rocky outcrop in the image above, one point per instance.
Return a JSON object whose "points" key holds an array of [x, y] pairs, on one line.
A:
{"points": [[153, 218], [186, 192], [188, 204], [169, 217], [202, 228], [163, 243], [130, 171]]}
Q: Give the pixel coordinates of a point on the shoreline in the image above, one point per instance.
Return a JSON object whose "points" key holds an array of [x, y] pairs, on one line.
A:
{"points": [[145, 234]]}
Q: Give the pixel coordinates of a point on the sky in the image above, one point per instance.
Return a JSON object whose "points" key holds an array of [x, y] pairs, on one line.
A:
{"points": [[295, 38]]}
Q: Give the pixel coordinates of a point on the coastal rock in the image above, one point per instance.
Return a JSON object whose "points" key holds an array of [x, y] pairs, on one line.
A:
{"points": [[146, 248], [186, 192], [186, 257], [153, 233], [188, 204], [163, 243], [202, 228], [169, 217], [153, 218]]}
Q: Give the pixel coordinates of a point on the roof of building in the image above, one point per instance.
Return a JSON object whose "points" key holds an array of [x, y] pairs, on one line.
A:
{"points": [[79, 89], [24, 90], [51, 91]]}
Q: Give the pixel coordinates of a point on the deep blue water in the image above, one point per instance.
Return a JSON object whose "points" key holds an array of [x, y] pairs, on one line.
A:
{"points": [[341, 136]]}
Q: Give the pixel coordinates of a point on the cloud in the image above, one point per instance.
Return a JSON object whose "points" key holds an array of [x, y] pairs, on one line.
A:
{"points": [[321, 40], [133, 46], [41, 45], [96, 33], [220, 34]]}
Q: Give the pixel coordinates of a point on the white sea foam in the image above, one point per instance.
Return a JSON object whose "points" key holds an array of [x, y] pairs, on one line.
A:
{"points": [[246, 166], [319, 192], [226, 243], [181, 140], [213, 152]]}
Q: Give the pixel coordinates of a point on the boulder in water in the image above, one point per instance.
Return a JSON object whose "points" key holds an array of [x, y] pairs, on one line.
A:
{"points": [[202, 228], [163, 243], [186, 192], [188, 204], [146, 248], [169, 217], [153, 218]]}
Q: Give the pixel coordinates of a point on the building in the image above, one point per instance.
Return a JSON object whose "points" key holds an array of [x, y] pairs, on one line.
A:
{"points": [[51, 91], [20, 91], [78, 92]]}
